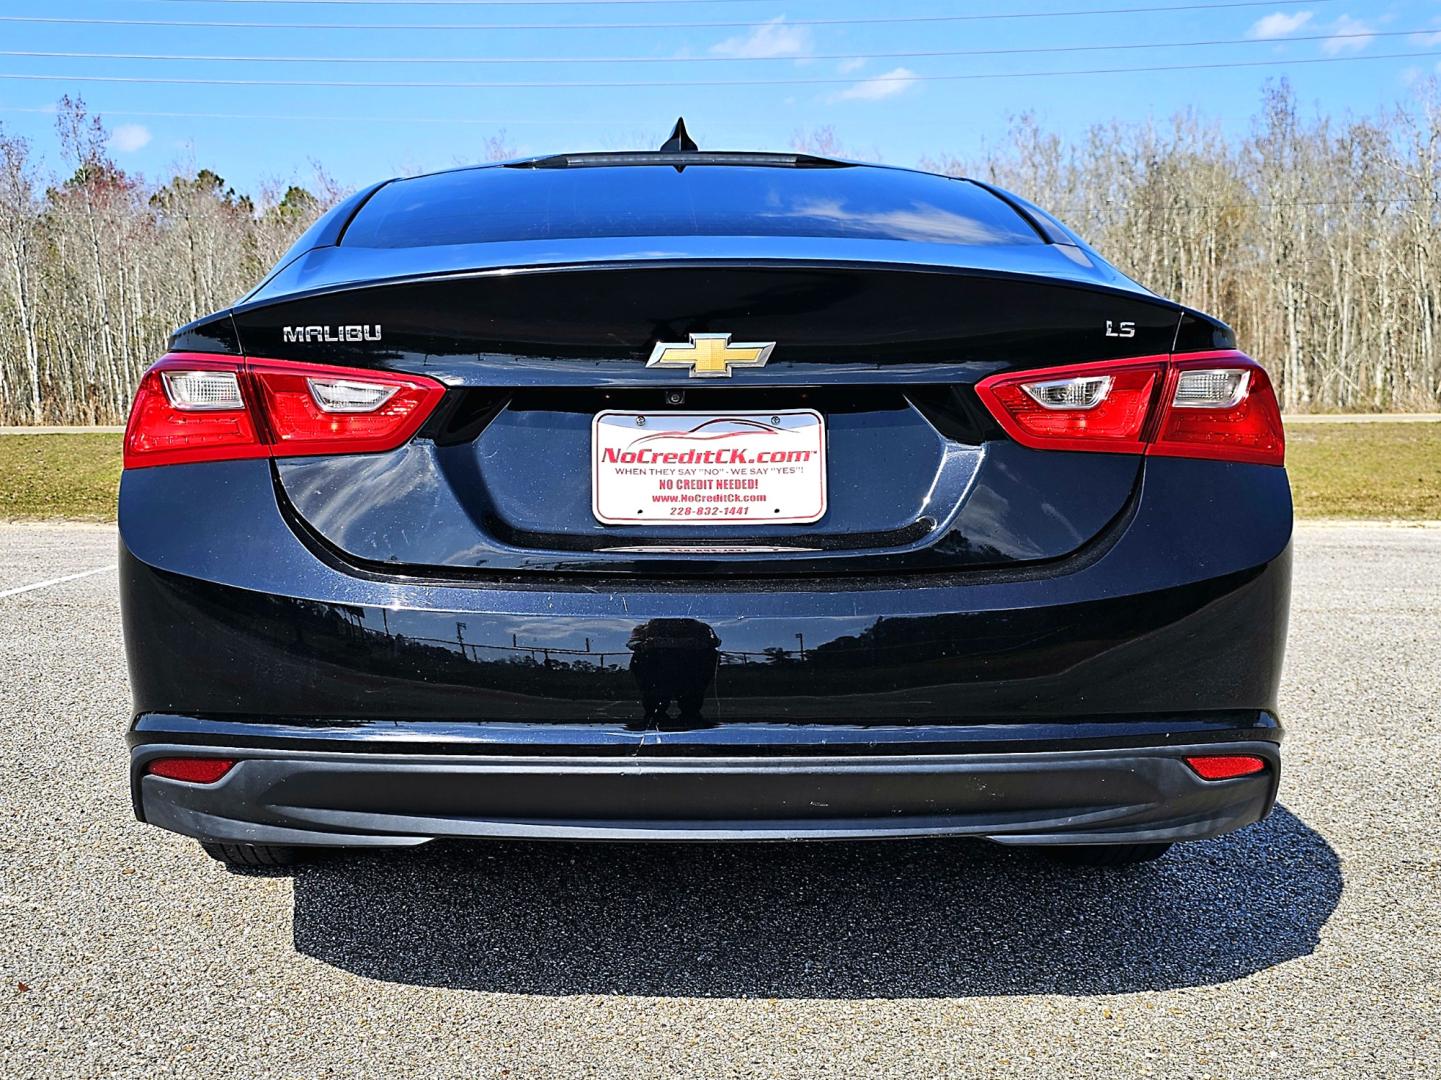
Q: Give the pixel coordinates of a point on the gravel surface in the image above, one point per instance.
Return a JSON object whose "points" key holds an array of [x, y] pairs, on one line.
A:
{"points": [[1307, 946]]}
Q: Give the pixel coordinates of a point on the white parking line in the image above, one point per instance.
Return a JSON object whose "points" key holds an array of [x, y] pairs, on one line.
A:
{"points": [[56, 581]]}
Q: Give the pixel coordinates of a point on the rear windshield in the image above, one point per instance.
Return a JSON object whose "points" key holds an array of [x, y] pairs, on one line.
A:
{"points": [[495, 204]]}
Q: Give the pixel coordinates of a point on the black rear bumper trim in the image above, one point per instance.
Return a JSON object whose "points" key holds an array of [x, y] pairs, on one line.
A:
{"points": [[1124, 795]]}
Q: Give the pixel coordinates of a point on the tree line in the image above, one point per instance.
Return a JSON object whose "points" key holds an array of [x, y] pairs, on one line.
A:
{"points": [[1316, 238], [99, 267]]}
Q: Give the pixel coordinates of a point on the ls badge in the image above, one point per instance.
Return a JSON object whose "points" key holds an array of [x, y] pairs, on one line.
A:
{"points": [[710, 356]]}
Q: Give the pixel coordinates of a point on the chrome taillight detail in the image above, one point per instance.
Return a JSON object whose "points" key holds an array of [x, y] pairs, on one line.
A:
{"points": [[1211, 388], [203, 391], [1083, 392], [349, 396]]}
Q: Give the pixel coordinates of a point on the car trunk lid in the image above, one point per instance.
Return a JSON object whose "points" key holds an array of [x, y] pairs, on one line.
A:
{"points": [[884, 357]]}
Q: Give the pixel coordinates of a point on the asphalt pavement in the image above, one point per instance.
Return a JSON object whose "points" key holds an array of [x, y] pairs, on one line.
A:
{"points": [[1306, 946]]}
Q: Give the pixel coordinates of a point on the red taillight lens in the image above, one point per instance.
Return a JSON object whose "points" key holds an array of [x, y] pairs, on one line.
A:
{"points": [[1207, 405], [177, 417], [192, 407], [1226, 766], [191, 770], [313, 409], [1085, 407], [1220, 410]]}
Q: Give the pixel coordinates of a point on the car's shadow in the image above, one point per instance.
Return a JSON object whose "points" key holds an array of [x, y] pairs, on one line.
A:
{"points": [[897, 919]]}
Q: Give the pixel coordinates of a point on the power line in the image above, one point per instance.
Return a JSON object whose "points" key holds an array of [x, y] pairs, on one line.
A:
{"points": [[459, 3], [711, 25], [827, 81], [1064, 212], [49, 110], [1069, 212], [903, 55]]}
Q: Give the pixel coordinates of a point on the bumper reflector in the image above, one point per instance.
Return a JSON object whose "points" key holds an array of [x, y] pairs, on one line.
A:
{"points": [[1225, 766], [191, 770]]}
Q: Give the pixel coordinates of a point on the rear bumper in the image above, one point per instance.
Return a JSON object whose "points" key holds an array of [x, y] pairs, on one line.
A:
{"points": [[1049, 704], [279, 795], [228, 614]]}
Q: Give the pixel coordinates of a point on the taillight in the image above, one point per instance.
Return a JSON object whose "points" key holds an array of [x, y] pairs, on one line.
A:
{"points": [[194, 407], [190, 408], [313, 409], [1207, 405], [1085, 407], [1220, 410]]}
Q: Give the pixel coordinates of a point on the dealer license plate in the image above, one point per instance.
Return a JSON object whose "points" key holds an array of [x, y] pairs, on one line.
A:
{"points": [[685, 468]]}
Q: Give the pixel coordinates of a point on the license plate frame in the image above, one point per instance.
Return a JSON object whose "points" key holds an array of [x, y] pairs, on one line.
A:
{"points": [[684, 467]]}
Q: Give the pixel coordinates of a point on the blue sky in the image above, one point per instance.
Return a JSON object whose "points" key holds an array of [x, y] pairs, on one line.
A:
{"points": [[797, 74]]}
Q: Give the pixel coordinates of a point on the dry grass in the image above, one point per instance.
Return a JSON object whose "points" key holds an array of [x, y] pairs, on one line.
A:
{"points": [[1367, 470], [48, 477]]}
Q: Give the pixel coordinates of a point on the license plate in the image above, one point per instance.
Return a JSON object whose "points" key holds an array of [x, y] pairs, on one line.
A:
{"points": [[684, 468]]}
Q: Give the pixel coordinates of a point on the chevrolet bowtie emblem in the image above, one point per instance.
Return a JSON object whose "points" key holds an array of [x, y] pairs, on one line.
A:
{"points": [[710, 356]]}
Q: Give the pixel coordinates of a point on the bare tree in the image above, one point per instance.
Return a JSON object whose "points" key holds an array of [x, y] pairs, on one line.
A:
{"points": [[1321, 245], [98, 267], [18, 228]]}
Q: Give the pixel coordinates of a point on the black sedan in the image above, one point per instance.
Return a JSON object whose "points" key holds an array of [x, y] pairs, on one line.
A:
{"points": [[688, 495]]}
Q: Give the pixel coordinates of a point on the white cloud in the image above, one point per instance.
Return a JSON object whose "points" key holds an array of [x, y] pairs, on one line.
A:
{"points": [[888, 84], [129, 137], [1279, 24], [769, 39], [855, 63], [1358, 36]]}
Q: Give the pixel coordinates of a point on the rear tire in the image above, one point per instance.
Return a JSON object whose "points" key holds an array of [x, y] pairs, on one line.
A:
{"points": [[1106, 854], [254, 856]]}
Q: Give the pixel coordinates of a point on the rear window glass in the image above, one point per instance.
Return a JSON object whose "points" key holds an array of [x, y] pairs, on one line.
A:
{"points": [[496, 204]]}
